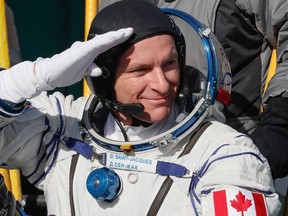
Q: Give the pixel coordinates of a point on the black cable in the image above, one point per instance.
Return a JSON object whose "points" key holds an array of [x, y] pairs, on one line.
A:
{"points": [[126, 139]]}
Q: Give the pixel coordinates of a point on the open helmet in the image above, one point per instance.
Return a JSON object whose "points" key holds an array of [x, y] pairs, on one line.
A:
{"points": [[207, 78]]}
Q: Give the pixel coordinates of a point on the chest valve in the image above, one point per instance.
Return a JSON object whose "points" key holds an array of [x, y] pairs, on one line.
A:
{"points": [[104, 184]]}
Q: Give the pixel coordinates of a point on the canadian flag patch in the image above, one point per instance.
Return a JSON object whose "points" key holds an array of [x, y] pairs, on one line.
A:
{"points": [[231, 202]]}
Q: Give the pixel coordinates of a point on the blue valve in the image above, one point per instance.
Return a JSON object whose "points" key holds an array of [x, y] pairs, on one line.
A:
{"points": [[103, 184]]}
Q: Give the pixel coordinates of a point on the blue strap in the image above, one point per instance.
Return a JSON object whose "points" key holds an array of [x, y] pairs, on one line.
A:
{"points": [[162, 168], [170, 169], [80, 147]]}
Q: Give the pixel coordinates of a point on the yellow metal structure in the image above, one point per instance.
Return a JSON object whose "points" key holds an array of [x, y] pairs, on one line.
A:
{"points": [[15, 180], [272, 68], [4, 52], [11, 177], [91, 9], [271, 71]]}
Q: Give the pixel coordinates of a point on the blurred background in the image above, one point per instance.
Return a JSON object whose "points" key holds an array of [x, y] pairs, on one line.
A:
{"points": [[47, 27], [41, 29]]}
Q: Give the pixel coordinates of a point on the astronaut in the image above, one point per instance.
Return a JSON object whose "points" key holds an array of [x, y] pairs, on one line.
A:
{"points": [[149, 140], [248, 30]]}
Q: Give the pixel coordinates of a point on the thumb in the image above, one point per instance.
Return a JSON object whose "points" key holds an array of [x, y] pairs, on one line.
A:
{"points": [[93, 70]]}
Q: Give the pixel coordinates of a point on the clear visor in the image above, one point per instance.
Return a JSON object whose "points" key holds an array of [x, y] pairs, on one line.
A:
{"points": [[206, 55]]}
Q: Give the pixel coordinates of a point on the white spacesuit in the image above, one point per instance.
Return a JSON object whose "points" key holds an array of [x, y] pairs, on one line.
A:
{"points": [[248, 30], [88, 164]]}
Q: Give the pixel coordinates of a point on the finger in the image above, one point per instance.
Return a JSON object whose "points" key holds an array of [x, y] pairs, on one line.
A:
{"points": [[76, 44], [121, 35], [110, 39]]}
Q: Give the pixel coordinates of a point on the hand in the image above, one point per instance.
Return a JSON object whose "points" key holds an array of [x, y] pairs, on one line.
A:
{"points": [[28, 79], [70, 66]]}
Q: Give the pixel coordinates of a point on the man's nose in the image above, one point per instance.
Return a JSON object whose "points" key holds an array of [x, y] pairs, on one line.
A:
{"points": [[159, 81]]}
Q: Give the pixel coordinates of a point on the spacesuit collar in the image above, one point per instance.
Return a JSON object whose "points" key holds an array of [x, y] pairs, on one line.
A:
{"points": [[139, 132]]}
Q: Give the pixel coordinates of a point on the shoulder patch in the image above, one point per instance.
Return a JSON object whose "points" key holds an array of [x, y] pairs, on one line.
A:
{"points": [[239, 202]]}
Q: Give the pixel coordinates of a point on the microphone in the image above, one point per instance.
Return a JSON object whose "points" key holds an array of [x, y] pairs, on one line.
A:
{"points": [[128, 109]]}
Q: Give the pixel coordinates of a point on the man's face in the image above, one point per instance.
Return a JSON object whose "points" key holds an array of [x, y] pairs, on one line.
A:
{"points": [[148, 73]]}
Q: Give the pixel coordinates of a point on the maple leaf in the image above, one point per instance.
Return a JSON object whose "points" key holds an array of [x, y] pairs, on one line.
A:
{"points": [[241, 204]]}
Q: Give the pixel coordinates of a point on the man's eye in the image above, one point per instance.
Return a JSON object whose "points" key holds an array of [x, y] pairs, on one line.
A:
{"points": [[172, 62], [141, 70]]}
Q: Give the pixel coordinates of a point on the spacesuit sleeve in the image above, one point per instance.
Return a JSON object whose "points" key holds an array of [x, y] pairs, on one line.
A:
{"points": [[241, 182], [271, 20], [30, 140], [234, 177]]}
